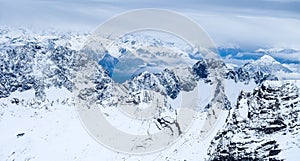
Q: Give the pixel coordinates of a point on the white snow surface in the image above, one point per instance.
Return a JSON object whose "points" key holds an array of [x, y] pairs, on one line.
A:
{"points": [[53, 131]]}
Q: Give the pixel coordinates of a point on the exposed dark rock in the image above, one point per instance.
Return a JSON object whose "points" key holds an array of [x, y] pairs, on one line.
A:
{"points": [[272, 109]]}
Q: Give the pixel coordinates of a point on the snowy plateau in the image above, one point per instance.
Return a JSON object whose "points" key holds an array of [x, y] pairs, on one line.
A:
{"points": [[259, 117]]}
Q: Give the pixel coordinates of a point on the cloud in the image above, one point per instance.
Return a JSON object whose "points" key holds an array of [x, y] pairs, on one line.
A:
{"points": [[295, 57], [248, 24], [251, 32]]}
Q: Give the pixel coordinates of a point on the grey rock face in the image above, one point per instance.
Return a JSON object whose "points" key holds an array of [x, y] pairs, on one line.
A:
{"points": [[253, 126]]}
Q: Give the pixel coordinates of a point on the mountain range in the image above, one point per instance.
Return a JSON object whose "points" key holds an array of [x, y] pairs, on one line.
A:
{"points": [[262, 124]]}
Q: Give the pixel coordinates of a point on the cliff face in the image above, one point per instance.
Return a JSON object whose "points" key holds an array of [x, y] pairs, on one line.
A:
{"points": [[263, 125]]}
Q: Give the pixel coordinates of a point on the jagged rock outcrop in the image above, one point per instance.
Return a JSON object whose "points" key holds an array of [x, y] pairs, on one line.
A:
{"points": [[253, 126], [33, 66]]}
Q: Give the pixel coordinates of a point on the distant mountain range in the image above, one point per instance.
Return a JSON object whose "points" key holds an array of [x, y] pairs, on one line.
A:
{"points": [[282, 55], [39, 62]]}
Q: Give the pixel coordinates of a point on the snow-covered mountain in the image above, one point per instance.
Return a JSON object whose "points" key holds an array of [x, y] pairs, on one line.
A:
{"points": [[40, 62], [145, 52], [263, 124], [282, 55], [265, 68], [266, 64], [13, 37]]}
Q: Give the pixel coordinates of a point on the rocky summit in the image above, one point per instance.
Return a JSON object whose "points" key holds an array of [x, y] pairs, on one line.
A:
{"points": [[261, 126]]}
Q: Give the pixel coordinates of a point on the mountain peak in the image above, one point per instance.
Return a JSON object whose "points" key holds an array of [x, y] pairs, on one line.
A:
{"points": [[267, 59], [266, 64]]}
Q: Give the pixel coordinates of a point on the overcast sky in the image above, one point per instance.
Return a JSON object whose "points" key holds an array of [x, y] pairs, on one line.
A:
{"points": [[244, 23]]}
